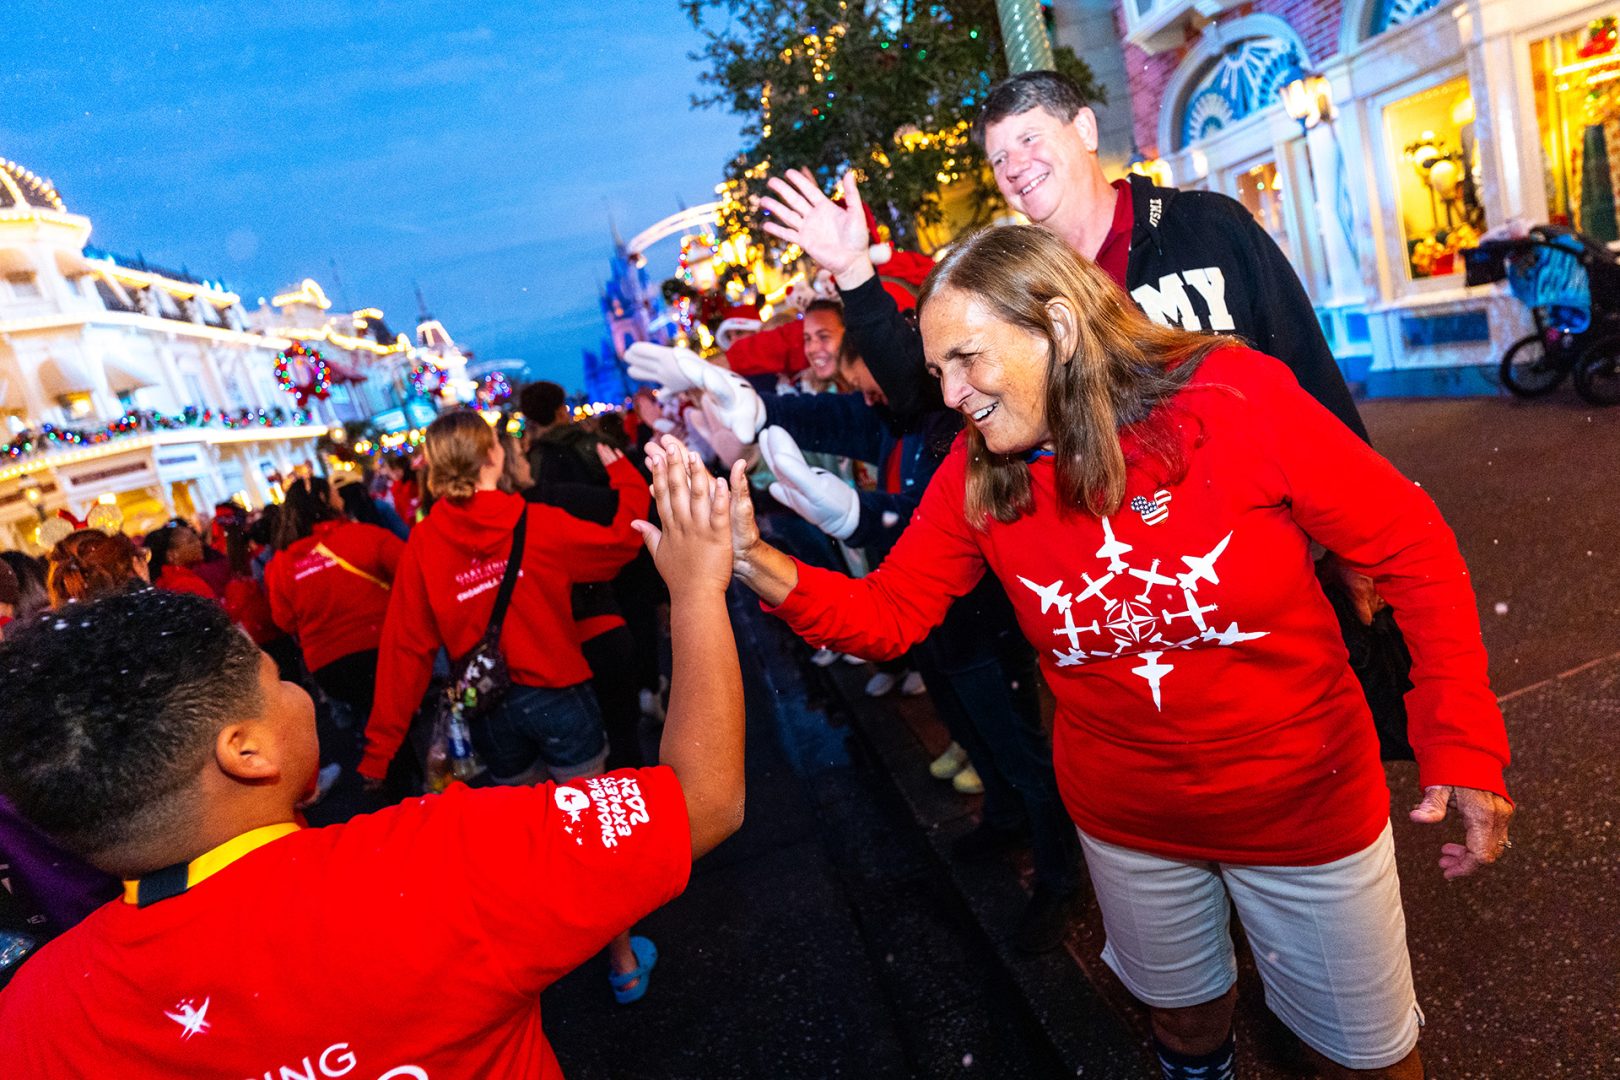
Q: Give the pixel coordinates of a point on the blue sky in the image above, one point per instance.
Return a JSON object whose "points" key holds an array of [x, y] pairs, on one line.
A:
{"points": [[476, 148]]}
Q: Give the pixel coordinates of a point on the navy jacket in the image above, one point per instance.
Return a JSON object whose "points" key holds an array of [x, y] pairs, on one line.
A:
{"points": [[844, 424]]}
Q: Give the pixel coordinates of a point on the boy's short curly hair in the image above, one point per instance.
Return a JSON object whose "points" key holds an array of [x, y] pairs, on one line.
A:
{"points": [[109, 711]]}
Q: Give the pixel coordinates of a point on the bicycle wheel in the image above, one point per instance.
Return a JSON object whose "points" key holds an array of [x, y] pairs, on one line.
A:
{"points": [[1528, 370], [1597, 372]]}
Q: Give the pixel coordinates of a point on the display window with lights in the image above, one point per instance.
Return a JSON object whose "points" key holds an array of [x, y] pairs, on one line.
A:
{"points": [[1259, 189], [1576, 79], [1437, 167]]}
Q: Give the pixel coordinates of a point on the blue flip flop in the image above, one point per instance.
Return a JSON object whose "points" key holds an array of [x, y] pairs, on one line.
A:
{"points": [[646, 956]]}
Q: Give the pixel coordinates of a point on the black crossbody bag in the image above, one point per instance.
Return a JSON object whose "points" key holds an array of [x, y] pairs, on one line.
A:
{"points": [[480, 680]]}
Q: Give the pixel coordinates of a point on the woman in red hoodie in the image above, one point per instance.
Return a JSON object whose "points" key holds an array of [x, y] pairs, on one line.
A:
{"points": [[1148, 498], [328, 586], [549, 721]]}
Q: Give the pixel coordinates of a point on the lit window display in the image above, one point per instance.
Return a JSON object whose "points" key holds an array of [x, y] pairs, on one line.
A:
{"points": [[1577, 82], [1260, 191], [1431, 139]]}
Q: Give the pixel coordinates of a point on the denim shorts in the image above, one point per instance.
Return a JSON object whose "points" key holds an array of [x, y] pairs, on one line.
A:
{"points": [[541, 730]]}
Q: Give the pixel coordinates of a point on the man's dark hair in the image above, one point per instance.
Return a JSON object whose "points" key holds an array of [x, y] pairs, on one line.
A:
{"points": [[539, 402], [824, 304], [1027, 90], [109, 711]]}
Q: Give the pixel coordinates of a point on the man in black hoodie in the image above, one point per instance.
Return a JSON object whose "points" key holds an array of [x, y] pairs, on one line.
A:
{"points": [[1193, 259]]}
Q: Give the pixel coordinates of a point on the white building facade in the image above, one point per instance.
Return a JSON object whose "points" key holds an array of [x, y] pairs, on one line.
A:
{"points": [[1438, 121], [127, 385]]}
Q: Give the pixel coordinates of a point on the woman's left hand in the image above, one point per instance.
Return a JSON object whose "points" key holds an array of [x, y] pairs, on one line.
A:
{"points": [[1485, 817]]}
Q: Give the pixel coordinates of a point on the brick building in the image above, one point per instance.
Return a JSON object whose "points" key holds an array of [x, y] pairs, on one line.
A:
{"points": [[1439, 121]]}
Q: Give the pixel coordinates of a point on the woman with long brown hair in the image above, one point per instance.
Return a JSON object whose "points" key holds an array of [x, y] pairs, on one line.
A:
{"points": [[1148, 498]]}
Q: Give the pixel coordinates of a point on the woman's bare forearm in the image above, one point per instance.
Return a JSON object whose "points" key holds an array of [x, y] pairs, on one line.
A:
{"points": [[703, 729], [768, 572]]}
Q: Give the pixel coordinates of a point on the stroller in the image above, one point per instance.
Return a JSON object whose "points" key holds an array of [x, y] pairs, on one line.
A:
{"points": [[1571, 284]]}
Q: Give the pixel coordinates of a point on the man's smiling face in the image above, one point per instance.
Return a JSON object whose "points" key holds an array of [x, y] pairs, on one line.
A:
{"points": [[1038, 160]]}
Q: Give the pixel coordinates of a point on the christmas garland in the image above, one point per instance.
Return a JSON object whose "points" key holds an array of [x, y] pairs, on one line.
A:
{"points": [[424, 371], [319, 383], [494, 390], [145, 421]]}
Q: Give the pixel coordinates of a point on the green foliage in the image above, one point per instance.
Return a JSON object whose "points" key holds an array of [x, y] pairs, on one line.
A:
{"points": [[888, 87]]}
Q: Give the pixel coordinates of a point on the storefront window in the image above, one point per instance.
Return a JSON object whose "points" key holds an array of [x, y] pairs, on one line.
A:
{"points": [[1577, 83], [1431, 140], [1260, 192]]}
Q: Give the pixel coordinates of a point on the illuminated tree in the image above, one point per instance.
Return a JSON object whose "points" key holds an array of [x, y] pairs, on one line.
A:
{"points": [[889, 87]]}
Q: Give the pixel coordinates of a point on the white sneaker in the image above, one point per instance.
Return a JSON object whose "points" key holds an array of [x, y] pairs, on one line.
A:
{"points": [[948, 764], [967, 781], [651, 706], [824, 658], [853, 660], [880, 684], [913, 684]]}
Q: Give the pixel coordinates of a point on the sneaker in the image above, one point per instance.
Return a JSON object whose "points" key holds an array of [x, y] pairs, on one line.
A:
{"points": [[853, 660], [913, 684], [651, 706], [823, 658], [987, 843], [1040, 928], [880, 684], [948, 764], [967, 781]]}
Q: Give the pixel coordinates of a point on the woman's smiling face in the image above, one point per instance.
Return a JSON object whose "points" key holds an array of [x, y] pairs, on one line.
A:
{"points": [[992, 372]]}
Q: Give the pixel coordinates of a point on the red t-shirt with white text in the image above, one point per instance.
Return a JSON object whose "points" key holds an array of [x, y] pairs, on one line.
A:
{"points": [[411, 944]]}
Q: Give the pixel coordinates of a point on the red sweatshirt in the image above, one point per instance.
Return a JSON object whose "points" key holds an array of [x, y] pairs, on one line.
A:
{"points": [[249, 608], [333, 609], [445, 591], [1205, 704], [177, 578]]}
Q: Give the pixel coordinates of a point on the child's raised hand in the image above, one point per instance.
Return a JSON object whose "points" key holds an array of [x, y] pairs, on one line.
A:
{"points": [[693, 549]]}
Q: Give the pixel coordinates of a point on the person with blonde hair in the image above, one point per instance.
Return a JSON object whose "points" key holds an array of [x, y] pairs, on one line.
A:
{"points": [[1147, 498], [444, 595], [89, 564]]}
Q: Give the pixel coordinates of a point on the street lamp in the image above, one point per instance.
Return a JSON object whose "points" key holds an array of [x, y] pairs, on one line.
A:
{"points": [[1308, 97]]}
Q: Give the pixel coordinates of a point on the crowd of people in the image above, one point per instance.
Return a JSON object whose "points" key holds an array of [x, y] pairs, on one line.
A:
{"points": [[1034, 461]]}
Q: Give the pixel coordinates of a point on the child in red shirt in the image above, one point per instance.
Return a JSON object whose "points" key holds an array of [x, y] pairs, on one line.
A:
{"points": [[444, 917]]}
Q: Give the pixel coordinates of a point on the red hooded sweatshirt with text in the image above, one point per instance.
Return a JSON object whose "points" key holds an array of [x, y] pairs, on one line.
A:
{"points": [[331, 588], [445, 592]]}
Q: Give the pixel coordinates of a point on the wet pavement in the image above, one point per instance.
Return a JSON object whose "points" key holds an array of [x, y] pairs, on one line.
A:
{"points": [[834, 937]]}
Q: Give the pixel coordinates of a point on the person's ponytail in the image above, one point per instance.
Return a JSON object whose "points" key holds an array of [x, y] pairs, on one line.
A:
{"points": [[457, 446]]}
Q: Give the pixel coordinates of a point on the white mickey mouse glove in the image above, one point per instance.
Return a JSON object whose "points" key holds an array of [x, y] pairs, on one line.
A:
{"points": [[731, 402], [673, 369], [814, 494]]}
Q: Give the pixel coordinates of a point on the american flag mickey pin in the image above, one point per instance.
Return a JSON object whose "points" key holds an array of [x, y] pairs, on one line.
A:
{"points": [[1153, 510]]}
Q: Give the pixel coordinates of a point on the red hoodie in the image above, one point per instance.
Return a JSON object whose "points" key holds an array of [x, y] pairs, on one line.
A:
{"points": [[335, 610], [445, 591], [1205, 704], [177, 578]]}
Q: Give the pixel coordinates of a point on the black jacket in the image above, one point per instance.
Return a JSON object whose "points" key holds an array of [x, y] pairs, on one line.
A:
{"points": [[1198, 260]]}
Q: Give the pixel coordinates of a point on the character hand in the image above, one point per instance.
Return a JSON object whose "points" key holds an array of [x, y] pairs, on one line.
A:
{"points": [[834, 236], [693, 548], [673, 369], [816, 495], [730, 401], [1485, 817]]}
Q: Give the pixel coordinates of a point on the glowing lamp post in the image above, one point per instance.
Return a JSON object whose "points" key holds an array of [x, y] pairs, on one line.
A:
{"points": [[1308, 98]]}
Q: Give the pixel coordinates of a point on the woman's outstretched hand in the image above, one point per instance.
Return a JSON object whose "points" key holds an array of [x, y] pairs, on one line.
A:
{"points": [[694, 548]]}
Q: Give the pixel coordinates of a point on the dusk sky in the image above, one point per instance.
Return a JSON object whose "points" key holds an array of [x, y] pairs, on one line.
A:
{"points": [[475, 148]]}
